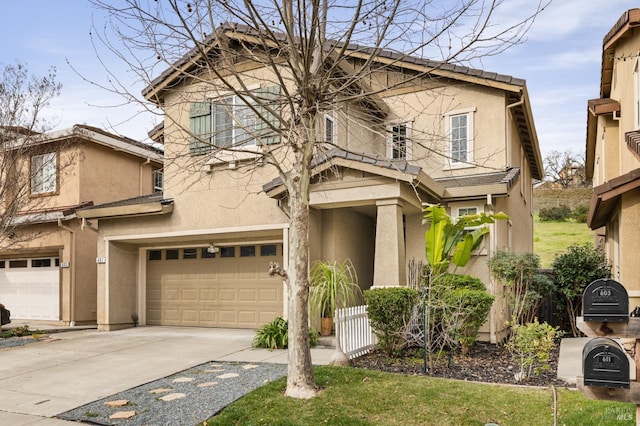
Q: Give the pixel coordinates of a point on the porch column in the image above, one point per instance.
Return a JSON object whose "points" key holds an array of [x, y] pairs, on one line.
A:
{"points": [[389, 269]]}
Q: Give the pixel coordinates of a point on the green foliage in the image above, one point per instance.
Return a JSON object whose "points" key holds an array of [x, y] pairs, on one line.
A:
{"points": [[332, 285], [390, 310], [449, 241], [275, 335], [18, 332], [573, 271], [555, 214], [462, 309], [580, 213], [519, 271], [530, 347]]}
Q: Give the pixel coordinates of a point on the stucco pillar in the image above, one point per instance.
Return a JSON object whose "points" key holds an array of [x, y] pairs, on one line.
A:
{"points": [[390, 267]]}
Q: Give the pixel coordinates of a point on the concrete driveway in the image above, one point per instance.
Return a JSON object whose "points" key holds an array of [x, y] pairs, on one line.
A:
{"points": [[41, 380]]}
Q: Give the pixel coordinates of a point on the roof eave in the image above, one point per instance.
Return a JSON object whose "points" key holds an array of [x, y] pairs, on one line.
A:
{"points": [[110, 212]]}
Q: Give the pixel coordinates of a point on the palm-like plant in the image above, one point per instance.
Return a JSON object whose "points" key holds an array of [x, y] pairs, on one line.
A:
{"points": [[332, 285]]}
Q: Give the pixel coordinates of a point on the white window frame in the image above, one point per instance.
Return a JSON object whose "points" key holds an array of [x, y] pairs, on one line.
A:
{"points": [[158, 180], [330, 139], [408, 124], [44, 173], [450, 163], [478, 209], [242, 118]]}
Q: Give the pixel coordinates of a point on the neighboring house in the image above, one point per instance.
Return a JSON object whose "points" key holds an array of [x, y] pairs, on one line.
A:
{"points": [[163, 266], [613, 152], [48, 266]]}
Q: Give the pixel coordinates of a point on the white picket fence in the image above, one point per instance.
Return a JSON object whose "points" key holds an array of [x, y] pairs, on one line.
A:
{"points": [[354, 331]]}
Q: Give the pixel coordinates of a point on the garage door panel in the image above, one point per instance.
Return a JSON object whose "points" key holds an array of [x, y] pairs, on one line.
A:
{"points": [[213, 292], [31, 290]]}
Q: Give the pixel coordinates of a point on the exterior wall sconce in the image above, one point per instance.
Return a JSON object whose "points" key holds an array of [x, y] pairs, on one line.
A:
{"points": [[212, 248]]}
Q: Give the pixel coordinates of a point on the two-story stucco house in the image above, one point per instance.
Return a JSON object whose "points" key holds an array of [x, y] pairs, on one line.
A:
{"points": [[48, 263], [613, 152], [199, 255]]}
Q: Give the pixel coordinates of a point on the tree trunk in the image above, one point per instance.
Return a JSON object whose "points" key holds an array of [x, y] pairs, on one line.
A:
{"points": [[300, 380]]}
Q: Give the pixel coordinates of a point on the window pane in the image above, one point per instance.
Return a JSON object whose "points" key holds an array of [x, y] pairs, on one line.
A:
{"points": [[155, 254], [467, 211], [328, 130], [41, 263], [158, 180], [459, 137], [18, 263], [189, 253], [247, 251], [1, 264], [399, 142], [222, 123], [171, 254], [43, 173], [227, 251], [268, 250]]}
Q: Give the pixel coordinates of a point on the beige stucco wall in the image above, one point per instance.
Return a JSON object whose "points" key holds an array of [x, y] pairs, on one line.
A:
{"points": [[122, 268], [630, 246]]}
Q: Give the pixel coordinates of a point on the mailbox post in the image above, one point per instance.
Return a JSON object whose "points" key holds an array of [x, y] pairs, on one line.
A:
{"points": [[605, 364]]}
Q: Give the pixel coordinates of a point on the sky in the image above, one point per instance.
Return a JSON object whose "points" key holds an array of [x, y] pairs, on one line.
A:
{"points": [[560, 60]]}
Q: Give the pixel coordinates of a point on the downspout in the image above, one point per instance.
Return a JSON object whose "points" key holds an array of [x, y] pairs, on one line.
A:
{"points": [[140, 188], [72, 271]]}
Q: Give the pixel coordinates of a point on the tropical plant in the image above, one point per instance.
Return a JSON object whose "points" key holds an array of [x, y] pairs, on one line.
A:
{"points": [[573, 271], [332, 285], [275, 335], [451, 240]]}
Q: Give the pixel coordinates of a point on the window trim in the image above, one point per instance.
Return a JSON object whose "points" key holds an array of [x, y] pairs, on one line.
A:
{"points": [[329, 118], [448, 117], [158, 180], [408, 154], [479, 209], [33, 174]]}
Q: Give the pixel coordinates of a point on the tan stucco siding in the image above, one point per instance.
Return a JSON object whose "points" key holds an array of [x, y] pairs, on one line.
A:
{"points": [[121, 304], [630, 245], [108, 175]]}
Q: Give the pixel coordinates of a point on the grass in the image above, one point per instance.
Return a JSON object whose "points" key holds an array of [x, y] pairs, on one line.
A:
{"points": [[352, 396], [553, 238]]}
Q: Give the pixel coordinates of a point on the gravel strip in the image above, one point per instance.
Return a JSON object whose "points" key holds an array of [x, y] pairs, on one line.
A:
{"points": [[12, 342], [189, 397]]}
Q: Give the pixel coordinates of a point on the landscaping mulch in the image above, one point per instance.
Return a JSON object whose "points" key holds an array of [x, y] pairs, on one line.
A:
{"points": [[485, 362]]}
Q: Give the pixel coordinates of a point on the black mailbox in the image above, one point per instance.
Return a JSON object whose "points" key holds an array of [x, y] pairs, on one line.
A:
{"points": [[605, 300], [604, 363]]}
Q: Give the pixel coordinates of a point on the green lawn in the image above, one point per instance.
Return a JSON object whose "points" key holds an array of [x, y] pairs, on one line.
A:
{"points": [[352, 396], [553, 238]]}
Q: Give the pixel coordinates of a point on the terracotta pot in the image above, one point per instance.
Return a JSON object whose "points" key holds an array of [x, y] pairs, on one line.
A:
{"points": [[326, 324]]}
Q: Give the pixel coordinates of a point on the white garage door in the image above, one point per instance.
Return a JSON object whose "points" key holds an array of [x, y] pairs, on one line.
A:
{"points": [[231, 288], [30, 288]]}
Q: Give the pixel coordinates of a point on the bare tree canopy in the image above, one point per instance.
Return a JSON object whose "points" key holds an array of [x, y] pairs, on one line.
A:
{"points": [[276, 68], [23, 167], [566, 169]]}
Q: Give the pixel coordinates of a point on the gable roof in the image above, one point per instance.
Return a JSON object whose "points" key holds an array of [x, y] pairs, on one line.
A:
{"points": [[515, 88]]}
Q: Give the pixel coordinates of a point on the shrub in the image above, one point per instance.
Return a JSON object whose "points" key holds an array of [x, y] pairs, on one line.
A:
{"points": [[573, 271], [580, 213], [465, 308], [275, 335], [530, 347], [390, 310], [554, 214]]}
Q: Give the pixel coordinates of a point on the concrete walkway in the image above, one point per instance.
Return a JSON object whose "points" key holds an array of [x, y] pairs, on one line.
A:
{"points": [[41, 380]]}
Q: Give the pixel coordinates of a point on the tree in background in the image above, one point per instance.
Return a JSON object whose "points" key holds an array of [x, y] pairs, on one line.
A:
{"points": [[307, 48], [23, 165], [566, 168]]}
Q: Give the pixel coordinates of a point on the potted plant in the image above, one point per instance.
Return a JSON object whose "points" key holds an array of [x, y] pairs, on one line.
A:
{"points": [[332, 285]]}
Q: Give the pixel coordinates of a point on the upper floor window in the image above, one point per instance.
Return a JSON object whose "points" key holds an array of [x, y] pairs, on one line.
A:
{"points": [[329, 129], [459, 128], [158, 180], [44, 173], [399, 142], [234, 121]]}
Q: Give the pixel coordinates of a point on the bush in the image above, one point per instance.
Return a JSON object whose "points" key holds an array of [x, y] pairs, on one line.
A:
{"points": [[530, 347], [573, 271], [555, 214], [465, 309], [275, 335], [580, 213], [390, 310]]}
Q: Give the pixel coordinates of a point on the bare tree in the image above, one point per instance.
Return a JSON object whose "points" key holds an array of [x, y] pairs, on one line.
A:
{"points": [[565, 168], [24, 167], [315, 57]]}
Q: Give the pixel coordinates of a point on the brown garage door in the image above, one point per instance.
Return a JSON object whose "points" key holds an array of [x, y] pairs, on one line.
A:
{"points": [[231, 288]]}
